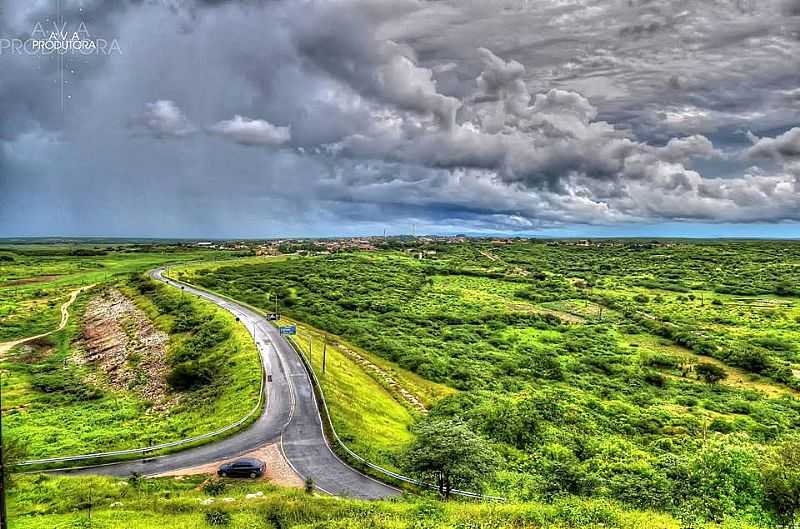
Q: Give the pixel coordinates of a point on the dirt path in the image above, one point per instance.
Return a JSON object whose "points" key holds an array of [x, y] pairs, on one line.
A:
{"points": [[7, 346], [278, 471], [383, 377]]}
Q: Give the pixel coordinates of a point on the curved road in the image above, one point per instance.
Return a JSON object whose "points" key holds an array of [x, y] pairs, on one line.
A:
{"points": [[291, 417]]}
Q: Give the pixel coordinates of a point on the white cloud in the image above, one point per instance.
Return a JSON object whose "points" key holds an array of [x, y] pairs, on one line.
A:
{"points": [[785, 147], [252, 131], [165, 120]]}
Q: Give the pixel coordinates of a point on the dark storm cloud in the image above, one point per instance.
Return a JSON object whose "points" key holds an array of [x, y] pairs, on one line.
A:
{"points": [[293, 115], [27, 99]]}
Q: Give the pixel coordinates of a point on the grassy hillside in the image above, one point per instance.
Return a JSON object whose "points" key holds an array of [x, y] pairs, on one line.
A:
{"points": [[372, 403], [584, 365], [44, 502], [147, 366], [35, 279]]}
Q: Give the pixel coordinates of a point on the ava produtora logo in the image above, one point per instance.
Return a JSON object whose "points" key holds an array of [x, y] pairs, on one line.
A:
{"points": [[55, 38]]}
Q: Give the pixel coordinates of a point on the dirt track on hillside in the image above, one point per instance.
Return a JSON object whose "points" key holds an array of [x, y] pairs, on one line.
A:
{"points": [[7, 346]]}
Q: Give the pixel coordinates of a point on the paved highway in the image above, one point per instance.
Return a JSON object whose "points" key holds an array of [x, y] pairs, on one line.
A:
{"points": [[291, 418]]}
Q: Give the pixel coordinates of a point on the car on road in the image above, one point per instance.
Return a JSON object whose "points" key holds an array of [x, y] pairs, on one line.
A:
{"points": [[248, 467]]}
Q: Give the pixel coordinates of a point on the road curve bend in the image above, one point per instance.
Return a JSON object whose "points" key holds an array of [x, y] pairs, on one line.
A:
{"points": [[291, 417]]}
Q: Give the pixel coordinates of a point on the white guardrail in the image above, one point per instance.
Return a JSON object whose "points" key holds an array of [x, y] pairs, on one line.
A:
{"points": [[373, 466], [116, 454]]}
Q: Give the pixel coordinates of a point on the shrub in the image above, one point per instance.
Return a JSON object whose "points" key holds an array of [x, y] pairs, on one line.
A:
{"points": [[654, 378], [754, 360], [217, 518], [711, 373], [66, 382], [781, 481], [190, 374], [663, 361], [721, 425], [213, 487]]}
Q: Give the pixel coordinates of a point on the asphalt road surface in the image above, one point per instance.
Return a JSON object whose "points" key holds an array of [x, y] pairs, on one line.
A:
{"points": [[291, 417]]}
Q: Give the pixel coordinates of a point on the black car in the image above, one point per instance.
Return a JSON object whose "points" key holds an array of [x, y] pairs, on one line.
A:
{"points": [[248, 467]]}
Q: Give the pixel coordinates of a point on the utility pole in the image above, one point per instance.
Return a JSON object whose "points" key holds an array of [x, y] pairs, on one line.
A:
{"points": [[3, 516], [324, 354]]}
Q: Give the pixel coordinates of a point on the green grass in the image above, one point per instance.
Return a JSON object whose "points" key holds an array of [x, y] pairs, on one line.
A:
{"points": [[45, 502], [40, 277], [366, 416], [555, 350], [79, 416], [187, 271], [575, 363]]}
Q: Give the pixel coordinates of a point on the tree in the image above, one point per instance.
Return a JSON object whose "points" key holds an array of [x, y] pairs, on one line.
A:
{"points": [[709, 372], [718, 480], [447, 452], [781, 481]]}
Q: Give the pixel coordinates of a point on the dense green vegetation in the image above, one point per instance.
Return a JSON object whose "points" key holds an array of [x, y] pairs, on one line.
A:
{"points": [[44, 502], [60, 403], [586, 367], [198, 359]]}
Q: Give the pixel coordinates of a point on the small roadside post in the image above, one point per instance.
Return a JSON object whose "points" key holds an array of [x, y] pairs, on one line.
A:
{"points": [[324, 354]]}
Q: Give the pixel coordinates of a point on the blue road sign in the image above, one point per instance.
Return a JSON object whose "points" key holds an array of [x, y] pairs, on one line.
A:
{"points": [[289, 329]]}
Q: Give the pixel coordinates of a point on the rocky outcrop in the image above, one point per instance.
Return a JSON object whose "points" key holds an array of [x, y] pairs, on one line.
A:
{"points": [[126, 349]]}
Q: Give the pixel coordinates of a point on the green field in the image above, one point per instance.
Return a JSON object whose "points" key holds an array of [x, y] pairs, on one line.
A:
{"points": [[69, 393], [582, 365], [615, 380], [36, 278]]}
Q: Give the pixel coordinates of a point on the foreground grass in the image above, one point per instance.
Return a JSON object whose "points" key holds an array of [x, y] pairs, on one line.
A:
{"points": [[40, 501]]}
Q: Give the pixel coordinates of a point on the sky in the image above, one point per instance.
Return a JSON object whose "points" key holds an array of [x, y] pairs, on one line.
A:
{"points": [[271, 118]]}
